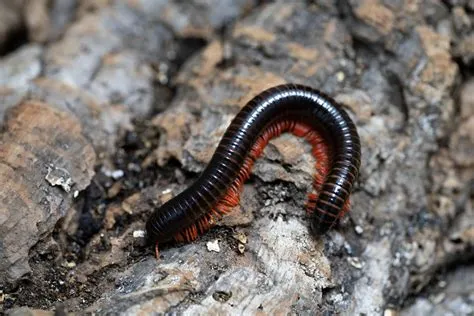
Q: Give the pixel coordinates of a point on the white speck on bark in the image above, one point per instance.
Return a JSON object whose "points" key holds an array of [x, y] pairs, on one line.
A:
{"points": [[213, 246], [59, 176]]}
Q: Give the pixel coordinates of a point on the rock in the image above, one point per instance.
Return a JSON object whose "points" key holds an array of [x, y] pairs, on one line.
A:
{"points": [[36, 136], [464, 49], [17, 71], [378, 19], [423, 57], [25, 311], [461, 20], [454, 296], [466, 100], [27, 63], [11, 22], [213, 246], [38, 21], [36, 17], [390, 63], [198, 18], [461, 144]]}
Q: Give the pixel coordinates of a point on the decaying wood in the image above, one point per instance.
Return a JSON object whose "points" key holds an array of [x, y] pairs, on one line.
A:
{"points": [[390, 64], [39, 163]]}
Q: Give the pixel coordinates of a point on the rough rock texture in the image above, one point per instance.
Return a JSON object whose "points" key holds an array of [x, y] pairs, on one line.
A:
{"points": [[451, 296], [38, 20], [38, 152], [400, 67], [84, 89]]}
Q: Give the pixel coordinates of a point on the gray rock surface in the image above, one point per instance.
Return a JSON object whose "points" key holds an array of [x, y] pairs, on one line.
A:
{"points": [[400, 69]]}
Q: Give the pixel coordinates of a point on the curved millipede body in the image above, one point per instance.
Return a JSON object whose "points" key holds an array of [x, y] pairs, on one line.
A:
{"points": [[297, 109]]}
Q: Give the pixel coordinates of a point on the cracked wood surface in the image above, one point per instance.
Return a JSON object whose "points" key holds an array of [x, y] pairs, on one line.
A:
{"points": [[390, 64]]}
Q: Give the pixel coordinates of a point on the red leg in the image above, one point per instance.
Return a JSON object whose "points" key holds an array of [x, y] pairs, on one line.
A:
{"points": [[157, 252]]}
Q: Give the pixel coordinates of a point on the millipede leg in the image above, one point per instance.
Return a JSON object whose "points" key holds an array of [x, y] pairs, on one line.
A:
{"points": [[157, 252], [345, 208]]}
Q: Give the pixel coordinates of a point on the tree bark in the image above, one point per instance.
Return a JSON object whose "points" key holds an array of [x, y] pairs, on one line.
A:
{"points": [[144, 90]]}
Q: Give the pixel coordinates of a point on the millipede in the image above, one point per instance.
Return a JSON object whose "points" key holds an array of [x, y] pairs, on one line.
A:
{"points": [[291, 108]]}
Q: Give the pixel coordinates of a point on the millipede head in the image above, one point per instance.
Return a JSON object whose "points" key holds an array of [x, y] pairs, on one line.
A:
{"points": [[162, 224], [153, 239]]}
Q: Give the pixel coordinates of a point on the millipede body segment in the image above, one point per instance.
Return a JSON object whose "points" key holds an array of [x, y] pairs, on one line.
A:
{"points": [[297, 109]]}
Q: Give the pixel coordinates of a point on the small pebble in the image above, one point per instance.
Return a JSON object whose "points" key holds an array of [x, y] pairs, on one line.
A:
{"points": [[213, 246], [166, 195], [138, 234], [355, 262], [390, 312], [117, 174], [348, 248], [359, 230], [69, 264], [240, 237], [166, 191], [134, 167], [222, 296], [114, 189], [114, 174], [340, 76], [436, 299]]}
